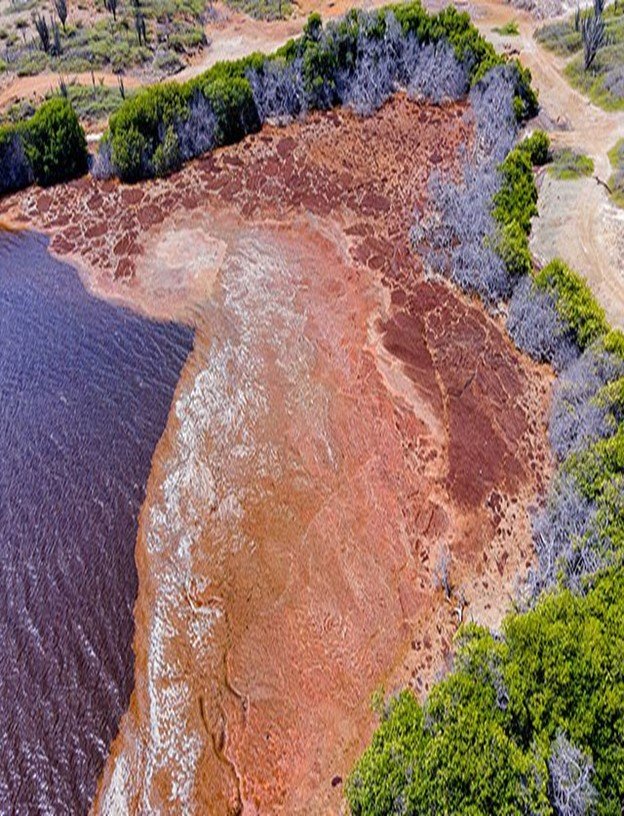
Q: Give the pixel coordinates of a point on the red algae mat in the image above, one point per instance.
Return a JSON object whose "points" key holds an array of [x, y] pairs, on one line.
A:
{"points": [[340, 423]]}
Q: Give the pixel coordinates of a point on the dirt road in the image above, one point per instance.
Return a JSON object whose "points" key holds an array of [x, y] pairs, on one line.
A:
{"points": [[577, 220]]}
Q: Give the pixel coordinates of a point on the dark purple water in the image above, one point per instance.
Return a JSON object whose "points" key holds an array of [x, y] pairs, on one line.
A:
{"points": [[85, 389]]}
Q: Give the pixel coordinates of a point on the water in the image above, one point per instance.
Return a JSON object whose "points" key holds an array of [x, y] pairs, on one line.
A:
{"points": [[85, 389]]}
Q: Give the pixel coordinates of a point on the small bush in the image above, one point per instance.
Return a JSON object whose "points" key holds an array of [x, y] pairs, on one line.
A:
{"points": [[510, 29], [616, 182], [561, 38], [575, 302], [568, 165], [537, 147]]}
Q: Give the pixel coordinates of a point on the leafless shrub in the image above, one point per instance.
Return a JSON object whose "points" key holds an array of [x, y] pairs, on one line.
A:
{"points": [[540, 9], [382, 64], [568, 544], [577, 418], [491, 101], [196, 133], [571, 790], [613, 81], [15, 170], [372, 81], [278, 90], [455, 241], [102, 166], [458, 239], [434, 72], [442, 572], [535, 326]]}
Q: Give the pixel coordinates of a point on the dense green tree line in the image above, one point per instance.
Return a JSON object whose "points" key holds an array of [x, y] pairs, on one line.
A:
{"points": [[483, 741]]}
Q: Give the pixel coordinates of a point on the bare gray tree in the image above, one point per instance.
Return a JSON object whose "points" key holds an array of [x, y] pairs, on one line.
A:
{"points": [[571, 789], [278, 90], [197, 133], [536, 327], [442, 572], [577, 417]]}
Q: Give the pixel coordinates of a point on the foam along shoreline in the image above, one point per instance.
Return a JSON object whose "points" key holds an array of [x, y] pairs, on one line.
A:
{"points": [[86, 389]]}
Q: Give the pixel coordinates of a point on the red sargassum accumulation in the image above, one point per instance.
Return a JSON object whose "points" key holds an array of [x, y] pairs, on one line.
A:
{"points": [[398, 421]]}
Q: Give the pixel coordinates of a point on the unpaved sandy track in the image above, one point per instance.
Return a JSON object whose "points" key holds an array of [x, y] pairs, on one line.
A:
{"points": [[577, 220]]}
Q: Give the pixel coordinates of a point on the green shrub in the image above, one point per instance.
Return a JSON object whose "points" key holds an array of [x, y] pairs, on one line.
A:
{"points": [[49, 147], [513, 247], [135, 129], [614, 342], [537, 147], [510, 29], [55, 143], [568, 165], [232, 100], [599, 464], [481, 743], [575, 302], [517, 198]]}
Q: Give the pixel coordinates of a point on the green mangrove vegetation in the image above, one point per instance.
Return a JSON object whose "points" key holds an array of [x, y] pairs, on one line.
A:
{"points": [[47, 148]]}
